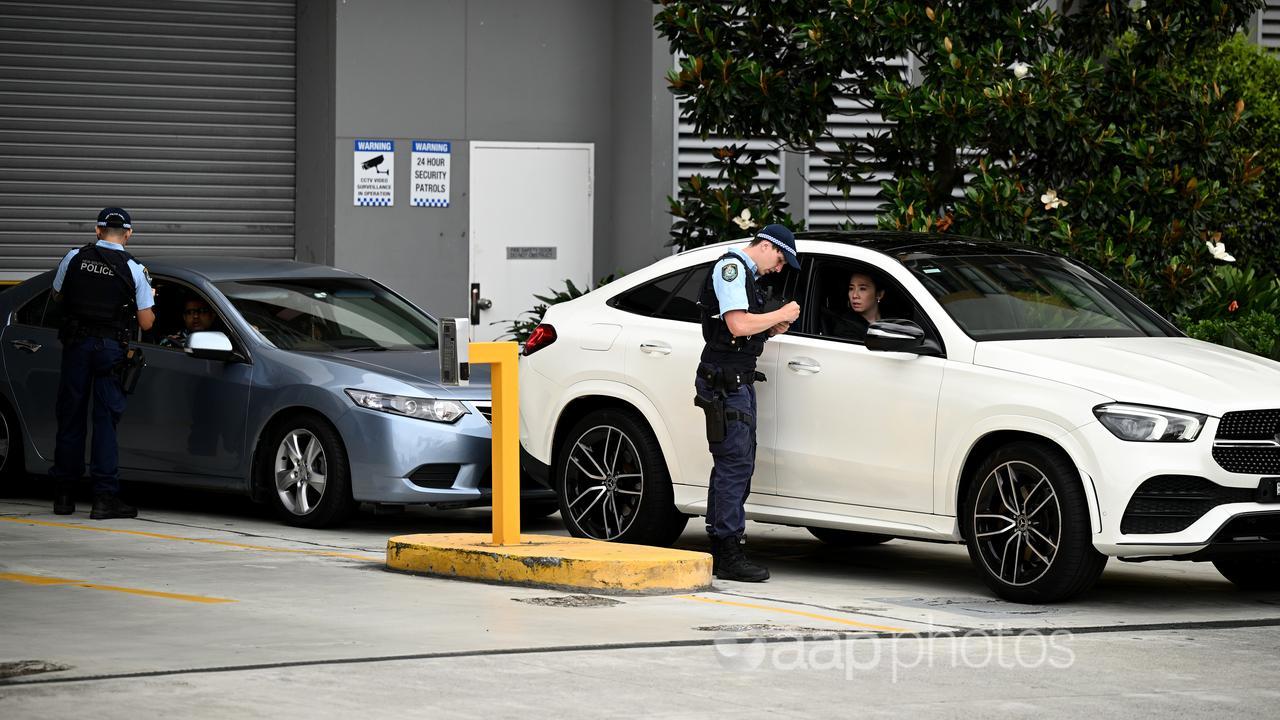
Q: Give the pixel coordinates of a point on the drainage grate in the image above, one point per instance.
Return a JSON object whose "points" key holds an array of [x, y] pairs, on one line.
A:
{"points": [[575, 601], [19, 668]]}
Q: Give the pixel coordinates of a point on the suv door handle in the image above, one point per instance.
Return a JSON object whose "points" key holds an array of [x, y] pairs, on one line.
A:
{"points": [[655, 348], [31, 347], [805, 365]]}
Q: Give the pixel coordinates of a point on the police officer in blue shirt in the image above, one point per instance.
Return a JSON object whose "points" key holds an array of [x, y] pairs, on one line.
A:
{"points": [[735, 327], [106, 295]]}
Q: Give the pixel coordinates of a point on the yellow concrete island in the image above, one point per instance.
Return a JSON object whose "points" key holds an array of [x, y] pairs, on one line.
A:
{"points": [[538, 560], [563, 563]]}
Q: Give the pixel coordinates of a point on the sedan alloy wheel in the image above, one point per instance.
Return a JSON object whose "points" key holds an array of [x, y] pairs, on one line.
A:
{"points": [[305, 475], [301, 472]]}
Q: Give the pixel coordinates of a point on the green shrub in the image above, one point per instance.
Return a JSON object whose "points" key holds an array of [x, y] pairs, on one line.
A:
{"points": [[1010, 105], [709, 211], [1233, 292], [1256, 332], [1253, 74], [522, 327]]}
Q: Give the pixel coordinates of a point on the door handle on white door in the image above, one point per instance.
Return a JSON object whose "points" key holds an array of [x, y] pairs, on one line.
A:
{"points": [[655, 348], [805, 365]]}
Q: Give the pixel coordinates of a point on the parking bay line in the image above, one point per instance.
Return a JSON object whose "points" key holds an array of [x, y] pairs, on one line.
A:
{"points": [[46, 581], [801, 613], [207, 541], [351, 556]]}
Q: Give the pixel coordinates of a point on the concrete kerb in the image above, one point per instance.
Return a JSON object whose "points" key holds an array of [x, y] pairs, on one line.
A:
{"points": [[547, 561]]}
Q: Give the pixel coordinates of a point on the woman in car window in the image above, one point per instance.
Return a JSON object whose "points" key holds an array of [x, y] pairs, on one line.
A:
{"points": [[863, 307]]}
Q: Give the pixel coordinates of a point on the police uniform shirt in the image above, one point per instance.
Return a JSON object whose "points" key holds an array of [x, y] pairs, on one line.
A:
{"points": [[730, 282], [142, 294]]}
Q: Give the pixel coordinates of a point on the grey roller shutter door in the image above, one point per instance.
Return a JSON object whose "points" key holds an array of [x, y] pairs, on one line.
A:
{"points": [[181, 112]]}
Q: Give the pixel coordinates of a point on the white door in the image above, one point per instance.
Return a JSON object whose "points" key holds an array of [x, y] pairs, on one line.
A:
{"points": [[856, 426], [531, 221]]}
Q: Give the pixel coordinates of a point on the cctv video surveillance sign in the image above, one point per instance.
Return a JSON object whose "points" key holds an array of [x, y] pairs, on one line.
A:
{"points": [[430, 177], [375, 165]]}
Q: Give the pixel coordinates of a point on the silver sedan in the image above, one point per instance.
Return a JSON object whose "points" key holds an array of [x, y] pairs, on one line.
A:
{"points": [[308, 387]]}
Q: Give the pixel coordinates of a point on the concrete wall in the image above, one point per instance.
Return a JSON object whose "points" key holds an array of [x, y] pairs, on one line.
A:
{"points": [[509, 70]]}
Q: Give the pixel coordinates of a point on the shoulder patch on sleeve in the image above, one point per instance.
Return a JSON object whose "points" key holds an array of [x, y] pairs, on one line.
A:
{"points": [[729, 272]]}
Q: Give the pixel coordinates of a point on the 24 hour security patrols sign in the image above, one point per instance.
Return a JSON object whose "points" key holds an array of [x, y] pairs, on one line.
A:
{"points": [[430, 178], [375, 165]]}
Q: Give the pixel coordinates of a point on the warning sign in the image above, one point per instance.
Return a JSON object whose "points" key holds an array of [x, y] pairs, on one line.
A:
{"points": [[375, 164], [430, 178]]}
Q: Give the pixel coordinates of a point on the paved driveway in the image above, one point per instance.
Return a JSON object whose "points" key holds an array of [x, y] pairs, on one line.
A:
{"points": [[206, 588]]}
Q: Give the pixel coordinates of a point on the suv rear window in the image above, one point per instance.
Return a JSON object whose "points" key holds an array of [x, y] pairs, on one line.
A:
{"points": [[671, 297]]}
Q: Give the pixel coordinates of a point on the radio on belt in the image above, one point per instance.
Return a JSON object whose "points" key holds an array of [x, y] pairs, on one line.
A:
{"points": [[455, 369]]}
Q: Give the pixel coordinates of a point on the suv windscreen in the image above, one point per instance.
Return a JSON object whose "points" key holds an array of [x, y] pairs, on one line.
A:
{"points": [[1013, 297], [331, 315]]}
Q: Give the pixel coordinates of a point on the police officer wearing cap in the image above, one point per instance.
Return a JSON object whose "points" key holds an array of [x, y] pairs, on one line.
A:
{"points": [[735, 327], [105, 295]]}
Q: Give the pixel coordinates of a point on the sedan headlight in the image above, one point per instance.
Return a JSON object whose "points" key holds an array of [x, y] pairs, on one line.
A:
{"points": [[1139, 423], [445, 411]]}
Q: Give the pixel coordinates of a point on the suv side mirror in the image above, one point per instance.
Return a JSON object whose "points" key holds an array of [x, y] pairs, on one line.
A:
{"points": [[895, 336], [210, 345]]}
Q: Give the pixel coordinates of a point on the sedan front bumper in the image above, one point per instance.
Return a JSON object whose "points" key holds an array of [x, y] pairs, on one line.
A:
{"points": [[401, 460]]}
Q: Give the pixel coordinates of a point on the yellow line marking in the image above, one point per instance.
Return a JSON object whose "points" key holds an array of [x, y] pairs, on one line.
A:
{"points": [[207, 541], [43, 580], [801, 613]]}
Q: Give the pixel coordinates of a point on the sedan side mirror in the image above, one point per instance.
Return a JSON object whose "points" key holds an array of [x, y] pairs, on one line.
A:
{"points": [[210, 345], [895, 336]]}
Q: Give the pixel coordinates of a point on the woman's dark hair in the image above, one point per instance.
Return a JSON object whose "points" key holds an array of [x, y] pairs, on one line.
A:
{"points": [[875, 277]]}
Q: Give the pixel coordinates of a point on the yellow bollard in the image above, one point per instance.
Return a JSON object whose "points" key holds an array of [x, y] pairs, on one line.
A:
{"points": [[549, 561], [503, 358]]}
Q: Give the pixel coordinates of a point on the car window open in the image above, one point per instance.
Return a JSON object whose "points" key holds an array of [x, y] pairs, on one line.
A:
{"points": [[827, 312], [1010, 297], [180, 310], [331, 315]]}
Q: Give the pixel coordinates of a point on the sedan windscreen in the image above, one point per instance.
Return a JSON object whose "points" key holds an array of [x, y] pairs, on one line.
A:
{"points": [[1011, 297], [331, 315]]}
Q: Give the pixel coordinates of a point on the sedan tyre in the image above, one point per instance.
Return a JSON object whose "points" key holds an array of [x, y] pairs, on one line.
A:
{"points": [[1251, 573], [1026, 523], [306, 473], [11, 463], [613, 484]]}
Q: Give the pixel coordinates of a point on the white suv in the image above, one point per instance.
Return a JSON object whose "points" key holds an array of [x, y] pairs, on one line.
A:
{"points": [[1016, 401]]}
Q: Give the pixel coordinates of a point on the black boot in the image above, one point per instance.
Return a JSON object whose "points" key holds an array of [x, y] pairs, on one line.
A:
{"points": [[106, 507], [730, 563], [64, 500]]}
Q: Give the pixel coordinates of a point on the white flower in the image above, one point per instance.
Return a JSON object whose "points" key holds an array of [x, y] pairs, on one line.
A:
{"points": [[1051, 200], [744, 220], [1020, 69], [1219, 251]]}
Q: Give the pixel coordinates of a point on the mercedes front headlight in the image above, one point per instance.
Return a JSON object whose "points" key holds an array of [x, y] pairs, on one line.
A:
{"points": [[1140, 423], [445, 411]]}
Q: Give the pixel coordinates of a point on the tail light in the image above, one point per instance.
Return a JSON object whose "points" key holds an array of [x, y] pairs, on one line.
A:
{"points": [[542, 336]]}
